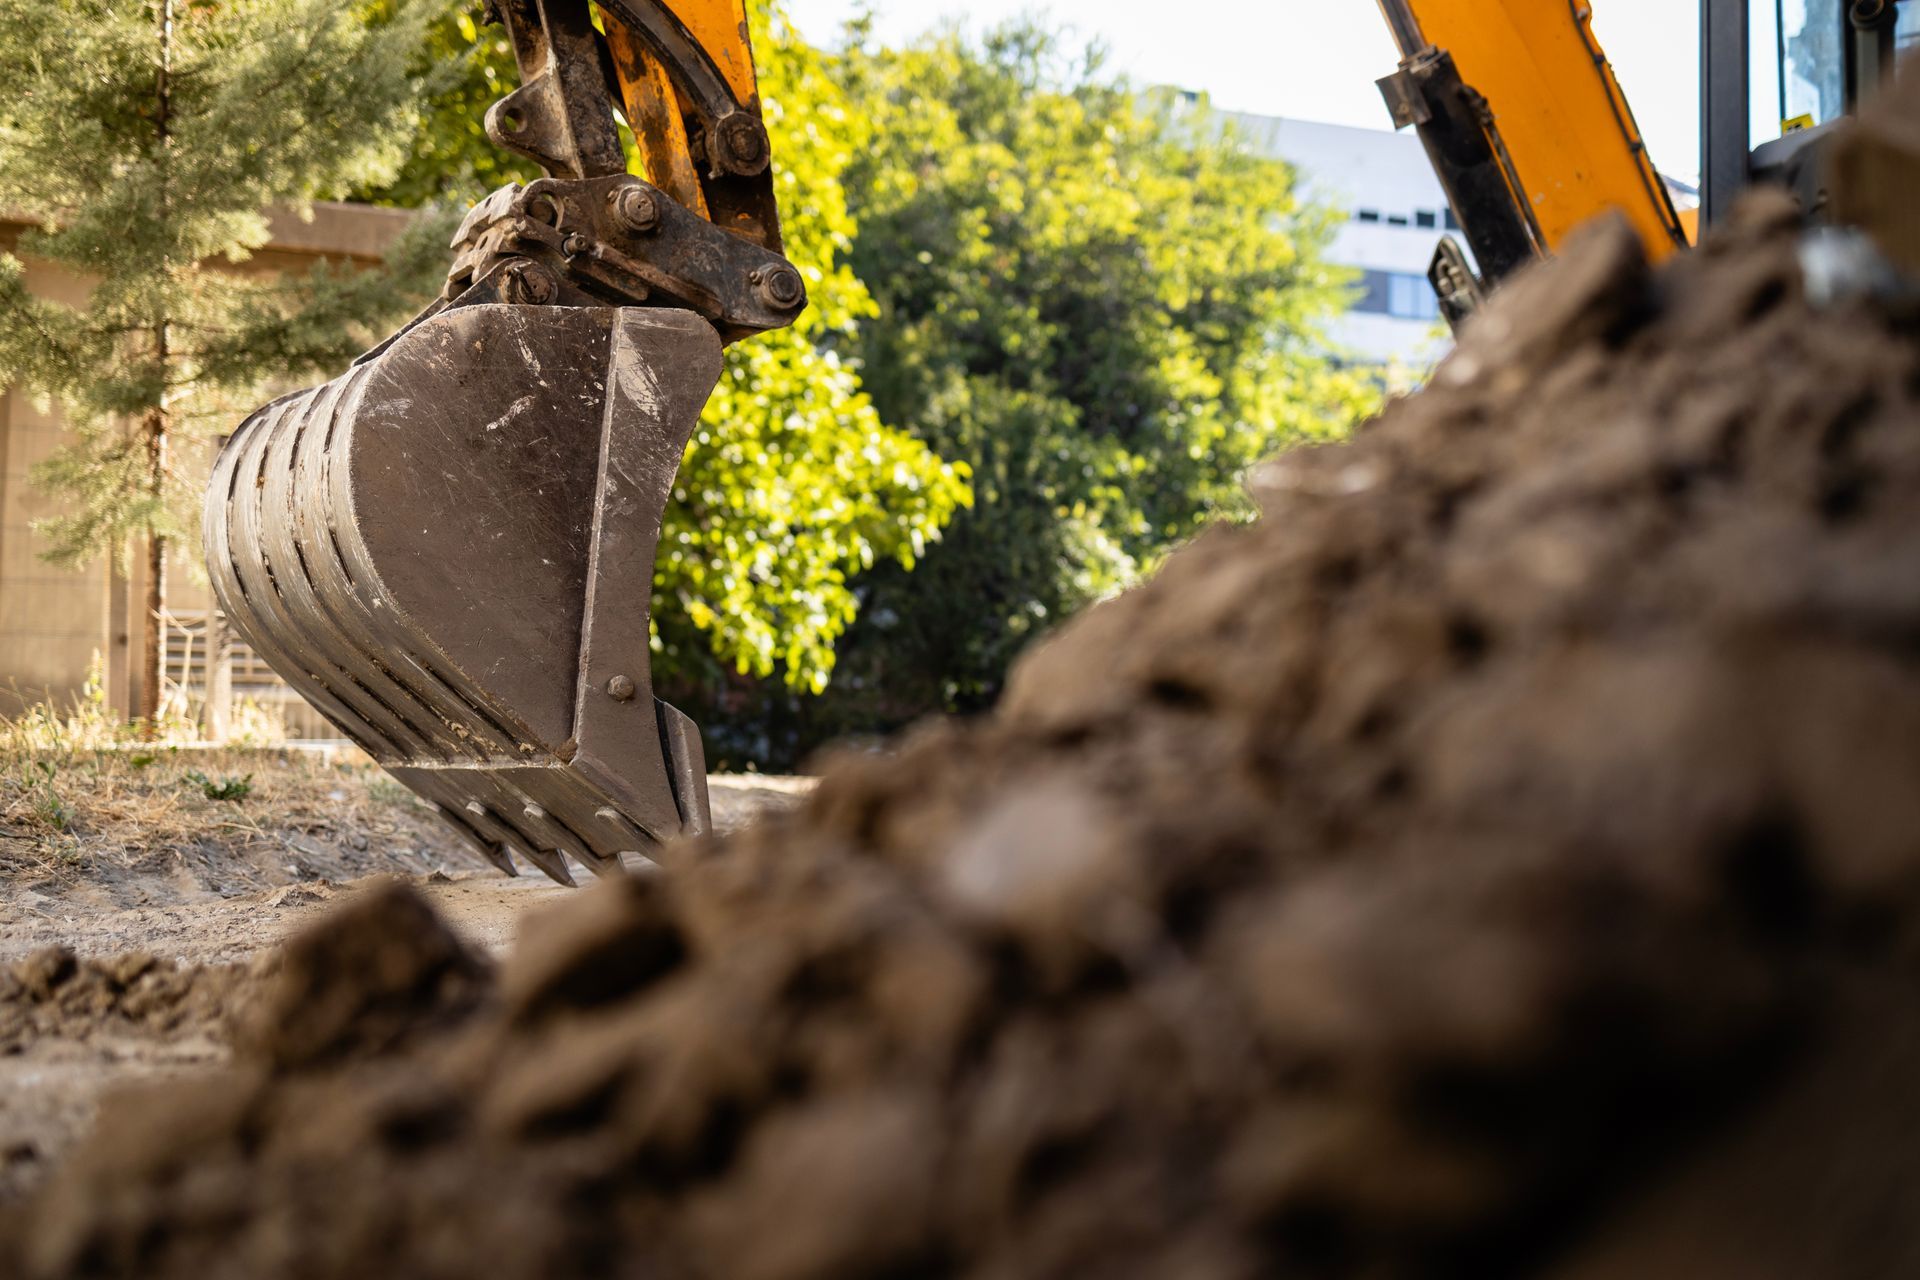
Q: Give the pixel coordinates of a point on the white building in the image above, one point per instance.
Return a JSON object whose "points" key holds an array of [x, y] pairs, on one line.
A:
{"points": [[1396, 215]]}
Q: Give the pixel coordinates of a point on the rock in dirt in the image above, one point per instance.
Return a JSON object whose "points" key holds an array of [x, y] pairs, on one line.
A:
{"points": [[1502, 860]]}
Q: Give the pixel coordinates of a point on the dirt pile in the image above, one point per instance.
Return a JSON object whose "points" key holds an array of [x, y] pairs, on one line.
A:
{"points": [[53, 992], [1502, 860], [382, 971]]}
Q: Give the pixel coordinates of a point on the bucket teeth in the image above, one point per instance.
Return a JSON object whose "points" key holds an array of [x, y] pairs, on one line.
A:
{"points": [[550, 861], [449, 552], [483, 834]]}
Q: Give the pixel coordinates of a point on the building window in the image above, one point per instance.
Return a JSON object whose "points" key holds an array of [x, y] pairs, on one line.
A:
{"points": [[1453, 223], [1396, 220], [1398, 294], [1373, 300], [1411, 298], [1368, 215], [1425, 218]]}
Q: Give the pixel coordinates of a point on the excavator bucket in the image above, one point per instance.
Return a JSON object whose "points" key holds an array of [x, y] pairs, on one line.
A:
{"points": [[449, 551]]}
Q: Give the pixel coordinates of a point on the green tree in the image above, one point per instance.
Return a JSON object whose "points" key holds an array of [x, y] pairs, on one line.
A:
{"points": [[794, 484], [1106, 305], [146, 141]]}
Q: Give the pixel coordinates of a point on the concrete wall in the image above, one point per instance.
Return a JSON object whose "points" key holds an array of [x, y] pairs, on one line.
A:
{"points": [[55, 623]]}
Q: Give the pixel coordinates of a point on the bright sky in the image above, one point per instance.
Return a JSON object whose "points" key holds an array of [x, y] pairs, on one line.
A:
{"points": [[1312, 59]]}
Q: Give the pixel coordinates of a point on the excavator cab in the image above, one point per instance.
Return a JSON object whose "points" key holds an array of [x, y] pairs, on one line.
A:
{"points": [[449, 550], [1778, 79]]}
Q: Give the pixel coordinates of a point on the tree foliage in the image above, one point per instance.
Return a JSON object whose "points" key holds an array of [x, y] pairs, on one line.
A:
{"points": [[794, 484], [147, 142], [1107, 307], [450, 159]]}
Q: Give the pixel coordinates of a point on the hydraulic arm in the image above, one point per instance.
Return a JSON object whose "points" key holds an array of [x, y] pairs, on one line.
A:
{"points": [[1527, 129]]}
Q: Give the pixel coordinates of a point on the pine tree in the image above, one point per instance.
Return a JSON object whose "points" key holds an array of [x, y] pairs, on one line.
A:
{"points": [[145, 141]]}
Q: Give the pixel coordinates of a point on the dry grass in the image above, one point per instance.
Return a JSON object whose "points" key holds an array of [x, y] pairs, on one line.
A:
{"points": [[87, 807]]}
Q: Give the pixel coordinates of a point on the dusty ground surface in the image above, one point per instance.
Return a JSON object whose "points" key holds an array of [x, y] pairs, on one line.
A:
{"points": [[135, 910], [146, 861], [1501, 861]]}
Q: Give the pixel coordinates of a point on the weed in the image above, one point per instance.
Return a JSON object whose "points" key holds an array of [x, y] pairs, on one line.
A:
{"points": [[252, 725], [226, 787], [87, 724], [39, 798]]}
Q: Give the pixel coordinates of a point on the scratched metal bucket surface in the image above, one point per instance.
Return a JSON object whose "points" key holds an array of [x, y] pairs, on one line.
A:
{"points": [[449, 552]]}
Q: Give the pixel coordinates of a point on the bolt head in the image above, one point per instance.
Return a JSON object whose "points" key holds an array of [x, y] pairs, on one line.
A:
{"points": [[528, 282], [545, 210], [621, 689], [781, 287], [574, 245], [634, 208], [740, 145]]}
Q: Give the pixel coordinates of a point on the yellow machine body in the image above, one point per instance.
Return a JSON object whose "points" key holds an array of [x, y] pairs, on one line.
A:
{"points": [[655, 109], [1557, 109]]}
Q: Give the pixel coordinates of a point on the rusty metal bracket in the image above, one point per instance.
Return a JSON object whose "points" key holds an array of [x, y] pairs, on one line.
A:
{"points": [[559, 117], [622, 240], [605, 231]]}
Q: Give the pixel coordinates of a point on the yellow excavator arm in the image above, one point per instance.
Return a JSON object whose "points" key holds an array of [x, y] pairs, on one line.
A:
{"points": [[1527, 128], [667, 126], [680, 75]]}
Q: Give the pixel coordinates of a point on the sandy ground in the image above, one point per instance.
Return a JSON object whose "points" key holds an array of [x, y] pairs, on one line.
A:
{"points": [[51, 1085], [207, 927]]}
